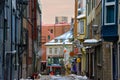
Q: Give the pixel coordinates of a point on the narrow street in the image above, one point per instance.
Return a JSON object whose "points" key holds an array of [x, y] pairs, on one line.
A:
{"points": [[58, 77], [59, 39]]}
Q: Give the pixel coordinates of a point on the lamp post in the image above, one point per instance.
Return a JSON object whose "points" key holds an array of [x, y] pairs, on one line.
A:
{"points": [[75, 19], [95, 28]]}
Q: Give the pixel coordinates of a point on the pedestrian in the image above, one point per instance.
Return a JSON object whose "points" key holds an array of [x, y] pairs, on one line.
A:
{"points": [[74, 68]]}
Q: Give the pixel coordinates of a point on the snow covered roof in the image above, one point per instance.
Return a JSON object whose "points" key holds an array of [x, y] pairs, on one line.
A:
{"points": [[90, 41], [62, 39], [81, 16], [66, 35]]}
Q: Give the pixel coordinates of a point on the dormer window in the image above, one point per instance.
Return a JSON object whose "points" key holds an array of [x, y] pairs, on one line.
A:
{"points": [[61, 40], [56, 40]]}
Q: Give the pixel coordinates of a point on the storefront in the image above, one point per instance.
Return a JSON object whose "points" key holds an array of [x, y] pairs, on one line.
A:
{"points": [[55, 69], [93, 53]]}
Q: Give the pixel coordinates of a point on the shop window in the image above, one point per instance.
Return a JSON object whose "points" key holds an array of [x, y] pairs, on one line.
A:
{"points": [[55, 60]]}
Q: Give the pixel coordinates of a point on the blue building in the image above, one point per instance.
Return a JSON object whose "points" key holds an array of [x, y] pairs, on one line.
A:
{"points": [[109, 31]]}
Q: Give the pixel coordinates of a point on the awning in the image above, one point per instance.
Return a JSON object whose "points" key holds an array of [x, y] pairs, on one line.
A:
{"points": [[54, 66], [43, 61], [92, 42], [81, 16]]}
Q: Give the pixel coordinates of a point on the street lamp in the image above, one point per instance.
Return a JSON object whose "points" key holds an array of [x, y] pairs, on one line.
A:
{"points": [[95, 28]]}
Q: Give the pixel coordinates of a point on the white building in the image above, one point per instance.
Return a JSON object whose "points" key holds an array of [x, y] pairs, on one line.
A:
{"points": [[58, 51]]}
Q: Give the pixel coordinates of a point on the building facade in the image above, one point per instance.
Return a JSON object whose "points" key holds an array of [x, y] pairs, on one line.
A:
{"points": [[81, 33], [58, 53], [49, 32], [102, 25], [109, 32], [15, 33]]}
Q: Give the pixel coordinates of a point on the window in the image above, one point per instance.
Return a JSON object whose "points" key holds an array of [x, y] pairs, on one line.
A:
{"points": [[109, 12], [99, 55], [48, 37], [56, 60], [50, 61], [61, 40], [55, 50], [5, 25], [50, 50], [93, 4], [81, 27], [89, 6], [110, 0], [56, 40], [60, 50], [51, 30]]}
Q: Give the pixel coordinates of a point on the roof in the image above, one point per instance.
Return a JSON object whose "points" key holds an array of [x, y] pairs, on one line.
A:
{"points": [[64, 37], [92, 42]]}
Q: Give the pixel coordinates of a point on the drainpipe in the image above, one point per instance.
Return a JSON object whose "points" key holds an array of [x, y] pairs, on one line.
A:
{"points": [[21, 36], [3, 55], [118, 59], [11, 76]]}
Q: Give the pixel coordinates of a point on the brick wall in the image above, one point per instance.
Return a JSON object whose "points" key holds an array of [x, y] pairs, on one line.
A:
{"points": [[58, 29]]}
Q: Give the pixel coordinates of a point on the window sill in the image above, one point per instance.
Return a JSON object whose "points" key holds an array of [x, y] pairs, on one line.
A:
{"points": [[109, 23]]}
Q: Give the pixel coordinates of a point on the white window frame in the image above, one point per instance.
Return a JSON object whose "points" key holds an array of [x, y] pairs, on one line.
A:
{"points": [[50, 50], [109, 4], [60, 50], [56, 50]]}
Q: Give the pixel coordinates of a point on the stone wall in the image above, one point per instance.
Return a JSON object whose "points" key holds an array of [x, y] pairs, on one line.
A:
{"points": [[107, 61]]}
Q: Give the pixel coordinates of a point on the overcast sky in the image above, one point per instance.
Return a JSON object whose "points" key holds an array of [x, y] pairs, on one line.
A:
{"points": [[52, 8]]}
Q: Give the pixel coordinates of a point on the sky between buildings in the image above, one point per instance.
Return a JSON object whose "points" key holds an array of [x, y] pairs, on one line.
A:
{"points": [[52, 8]]}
